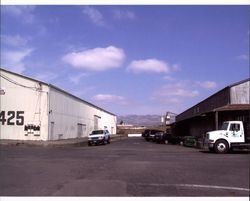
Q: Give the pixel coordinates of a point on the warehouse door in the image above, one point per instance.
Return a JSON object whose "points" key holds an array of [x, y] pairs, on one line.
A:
{"points": [[52, 125], [96, 122], [81, 130]]}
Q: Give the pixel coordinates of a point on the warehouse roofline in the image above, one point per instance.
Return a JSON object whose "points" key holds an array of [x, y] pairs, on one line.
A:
{"points": [[88, 103], [23, 76], [196, 105], [233, 107], [61, 90]]}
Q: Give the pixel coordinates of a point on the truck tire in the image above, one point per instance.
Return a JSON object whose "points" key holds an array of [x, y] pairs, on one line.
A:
{"points": [[221, 147], [166, 141]]}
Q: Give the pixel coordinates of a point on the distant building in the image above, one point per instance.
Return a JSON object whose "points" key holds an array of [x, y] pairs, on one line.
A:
{"points": [[168, 119], [34, 110], [230, 103]]}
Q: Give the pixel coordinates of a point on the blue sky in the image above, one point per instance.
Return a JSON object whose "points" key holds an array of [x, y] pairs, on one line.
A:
{"points": [[129, 59]]}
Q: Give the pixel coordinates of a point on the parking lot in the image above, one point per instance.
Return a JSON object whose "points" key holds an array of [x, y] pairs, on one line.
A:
{"points": [[129, 167]]}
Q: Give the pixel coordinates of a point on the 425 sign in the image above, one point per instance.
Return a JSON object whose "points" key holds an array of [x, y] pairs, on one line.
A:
{"points": [[12, 118]]}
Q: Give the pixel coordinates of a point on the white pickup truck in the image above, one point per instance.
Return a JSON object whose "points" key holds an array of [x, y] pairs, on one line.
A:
{"points": [[231, 135], [99, 137]]}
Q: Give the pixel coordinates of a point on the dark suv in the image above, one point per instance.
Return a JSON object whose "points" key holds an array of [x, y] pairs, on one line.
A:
{"points": [[149, 134], [167, 138]]}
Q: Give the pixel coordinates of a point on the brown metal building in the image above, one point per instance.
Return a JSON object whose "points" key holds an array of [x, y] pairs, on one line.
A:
{"points": [[230, 103]]}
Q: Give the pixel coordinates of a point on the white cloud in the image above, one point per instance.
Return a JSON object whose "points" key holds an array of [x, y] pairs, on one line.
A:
{"points": [[178, 90], [243, 57], [94, 15], [176, 67], [110, 98], [174, 93], [77, 78], [14, 51], [169, 78], [149, 66], [14, 60], [23, 12], [46, 76], [97, 59], [14, 41], [207, 84], [120, 14], [83, 91]]}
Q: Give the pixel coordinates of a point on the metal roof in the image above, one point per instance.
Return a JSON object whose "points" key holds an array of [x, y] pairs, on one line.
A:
{"points": [[240, 82], [233, 107], [61, 90], [185, 114]]}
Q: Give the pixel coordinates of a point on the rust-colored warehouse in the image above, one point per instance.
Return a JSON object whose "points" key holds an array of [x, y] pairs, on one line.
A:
{"points": [[230, 103]]}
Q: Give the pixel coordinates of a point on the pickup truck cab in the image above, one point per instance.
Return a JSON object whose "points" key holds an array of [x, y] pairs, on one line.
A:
{"points": [[231, 135], [99, 137]]}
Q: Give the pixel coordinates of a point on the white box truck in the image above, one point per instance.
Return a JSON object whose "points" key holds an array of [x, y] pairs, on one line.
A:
{"points": [[232, 135]]}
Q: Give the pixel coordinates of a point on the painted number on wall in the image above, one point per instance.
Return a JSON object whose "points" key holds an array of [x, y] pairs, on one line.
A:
{"points": [[12, 118]]}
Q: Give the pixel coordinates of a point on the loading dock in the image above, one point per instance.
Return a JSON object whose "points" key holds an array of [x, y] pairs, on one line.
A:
{"points": [[230, 103]]}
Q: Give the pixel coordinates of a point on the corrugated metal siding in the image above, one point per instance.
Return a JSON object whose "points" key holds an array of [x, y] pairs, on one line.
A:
{"points": [[239, 94], [23, 108], [58, 114], [68, 113]]}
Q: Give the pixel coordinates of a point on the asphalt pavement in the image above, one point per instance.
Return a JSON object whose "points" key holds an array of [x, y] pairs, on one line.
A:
{"points": [[129, 167]]}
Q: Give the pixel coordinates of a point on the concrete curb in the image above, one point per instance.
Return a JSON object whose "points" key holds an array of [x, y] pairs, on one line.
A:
{"points": [[56, 143]]}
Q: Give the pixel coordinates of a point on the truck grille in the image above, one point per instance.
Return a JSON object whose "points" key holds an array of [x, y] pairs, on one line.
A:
{"points": [[94, 138]]}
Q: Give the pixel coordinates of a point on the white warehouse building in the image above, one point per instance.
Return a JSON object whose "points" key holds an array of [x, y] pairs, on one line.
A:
{"points": [[34, 110]]}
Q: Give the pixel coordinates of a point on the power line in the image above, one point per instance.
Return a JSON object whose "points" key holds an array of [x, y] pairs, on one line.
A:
{"points": [[16, 83]]}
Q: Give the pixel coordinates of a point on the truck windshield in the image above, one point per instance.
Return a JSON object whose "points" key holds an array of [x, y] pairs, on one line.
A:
{"points": [[224, 126]]}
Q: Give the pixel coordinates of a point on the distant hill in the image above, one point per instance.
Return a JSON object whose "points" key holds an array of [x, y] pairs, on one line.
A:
{"points": [[140, 120]]}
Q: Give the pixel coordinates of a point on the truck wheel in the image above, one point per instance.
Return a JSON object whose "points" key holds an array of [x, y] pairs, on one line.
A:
{"points": [[166, 141], [221, 147], [89, 144]]}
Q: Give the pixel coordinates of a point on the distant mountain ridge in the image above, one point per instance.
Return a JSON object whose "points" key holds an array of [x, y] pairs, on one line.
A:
{"points": [[140, 120]]}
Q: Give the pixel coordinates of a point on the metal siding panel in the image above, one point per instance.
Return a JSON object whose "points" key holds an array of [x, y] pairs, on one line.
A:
{"points": [[32, 102], [67, 112], [239, 94]]}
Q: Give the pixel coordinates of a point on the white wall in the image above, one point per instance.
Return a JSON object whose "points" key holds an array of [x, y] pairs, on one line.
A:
{"points": [[25, 102], [66, 112], [239, 94]]}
